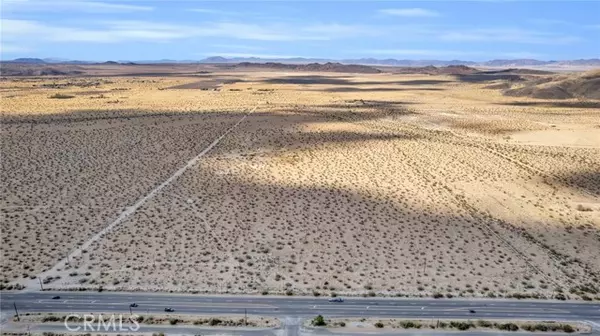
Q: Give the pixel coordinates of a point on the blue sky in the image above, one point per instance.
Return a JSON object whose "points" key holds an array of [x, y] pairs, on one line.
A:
{"points": [[142, 30]]}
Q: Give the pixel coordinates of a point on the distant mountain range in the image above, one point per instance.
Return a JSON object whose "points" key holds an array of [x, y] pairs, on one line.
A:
{"points": [[361, 61]]}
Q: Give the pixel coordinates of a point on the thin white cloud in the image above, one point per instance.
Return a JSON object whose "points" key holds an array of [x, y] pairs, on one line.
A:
{"points": [[509, 35], [70, 6], [249, 31], [251, 55], [421, 52], [549, 22], [117, 31], [446, 54], [336, 30], [211, 11], [237, 47], [409, 12], [233, 34], [8, 48], [128, 30], [521, 54]]}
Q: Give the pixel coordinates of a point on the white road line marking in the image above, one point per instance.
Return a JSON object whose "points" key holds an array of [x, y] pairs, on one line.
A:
{"points": [[130, 210]]}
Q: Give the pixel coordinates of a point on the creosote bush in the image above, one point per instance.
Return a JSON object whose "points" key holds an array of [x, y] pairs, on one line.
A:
{"points": [[61, 96], [319, 321]]}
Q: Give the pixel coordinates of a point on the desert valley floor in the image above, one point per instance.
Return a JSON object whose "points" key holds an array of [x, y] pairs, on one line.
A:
{"points": [[321, 182]]}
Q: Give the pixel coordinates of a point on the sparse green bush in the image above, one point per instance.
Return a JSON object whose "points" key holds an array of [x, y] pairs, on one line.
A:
{"points": [[214, 321], [461, 325], [51, 319], [484, 324], [410, 325], [319, 321], [508, 326], [379, 325], [560, 296], [528, 327]]}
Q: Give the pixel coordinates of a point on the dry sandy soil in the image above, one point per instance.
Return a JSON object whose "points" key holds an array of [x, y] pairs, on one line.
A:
{"points": [[168, 319], [346, 183], [381, 326]]}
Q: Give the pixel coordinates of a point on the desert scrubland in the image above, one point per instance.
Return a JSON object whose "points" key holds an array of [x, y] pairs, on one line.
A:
{"points": [[380, 183]]}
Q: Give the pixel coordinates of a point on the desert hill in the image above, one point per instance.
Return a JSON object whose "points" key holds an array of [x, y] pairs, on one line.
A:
{"points": [[586, 85]]}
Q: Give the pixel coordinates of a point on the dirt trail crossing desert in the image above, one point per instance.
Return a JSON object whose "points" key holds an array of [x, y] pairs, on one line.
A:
{"points": [[60, 266]]}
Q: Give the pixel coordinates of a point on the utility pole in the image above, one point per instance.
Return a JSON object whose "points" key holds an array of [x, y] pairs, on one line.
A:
{"points": [[245, 317], [41, 286], [130, 312], [16, 311]]}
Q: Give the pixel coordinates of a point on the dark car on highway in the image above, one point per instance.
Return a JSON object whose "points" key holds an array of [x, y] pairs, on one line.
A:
{"points": [[169, 310], [336, 299], [55, 297], [133, 305]]}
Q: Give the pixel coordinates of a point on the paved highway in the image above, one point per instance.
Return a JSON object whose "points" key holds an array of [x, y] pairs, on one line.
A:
{"points": [[297, 308]]}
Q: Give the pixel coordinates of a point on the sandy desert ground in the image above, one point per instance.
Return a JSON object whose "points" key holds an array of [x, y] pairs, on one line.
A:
{"points": [[374, 325], [346, 183], [160, 319]]}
